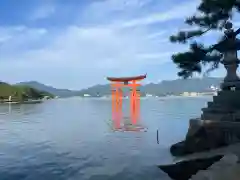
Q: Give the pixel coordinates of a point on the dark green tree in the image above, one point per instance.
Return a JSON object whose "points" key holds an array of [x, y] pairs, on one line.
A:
{"points": [[212, 15]]}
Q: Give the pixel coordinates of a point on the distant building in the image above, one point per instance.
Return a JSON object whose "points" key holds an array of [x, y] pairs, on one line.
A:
{"points": [[185, 93], [190, 94], [46, 97], [86, 95], [149, 95], [214, 88], [193, 94]]}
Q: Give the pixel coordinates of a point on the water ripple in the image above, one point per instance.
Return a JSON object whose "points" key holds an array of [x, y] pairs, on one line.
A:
{"points": [[69, 139]]}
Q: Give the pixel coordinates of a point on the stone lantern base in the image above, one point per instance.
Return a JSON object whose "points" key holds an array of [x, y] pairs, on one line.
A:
{"points": [[224, 107], [219, 125]]}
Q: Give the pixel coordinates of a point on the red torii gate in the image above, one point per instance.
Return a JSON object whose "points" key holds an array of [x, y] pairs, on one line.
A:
{"points": [[117, 95]]}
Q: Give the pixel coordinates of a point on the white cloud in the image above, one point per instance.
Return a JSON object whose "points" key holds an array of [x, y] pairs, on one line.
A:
{"points": [[236, 24], [97, 50], [116, 5], [179, 12], [15, 41], [155, 56], [157, 34], [105, 8], [90, 47], [42, 12], [5, 38], [88, 50]]}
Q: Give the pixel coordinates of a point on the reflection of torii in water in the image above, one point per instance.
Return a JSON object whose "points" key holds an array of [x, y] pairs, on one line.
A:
{"points": [[127, 126]]}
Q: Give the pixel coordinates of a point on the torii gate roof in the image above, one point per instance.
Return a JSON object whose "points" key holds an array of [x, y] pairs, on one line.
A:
{"points": [[126, 79]]}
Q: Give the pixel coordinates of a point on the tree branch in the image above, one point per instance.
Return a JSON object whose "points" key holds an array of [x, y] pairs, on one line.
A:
{"points": [[213, 16], [237, 32], [182, 37]]}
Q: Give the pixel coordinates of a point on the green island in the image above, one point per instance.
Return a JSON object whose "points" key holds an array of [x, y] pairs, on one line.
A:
{"points": [[21, 93]]}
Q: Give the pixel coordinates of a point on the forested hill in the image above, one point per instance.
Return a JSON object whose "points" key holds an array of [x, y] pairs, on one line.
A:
{"points": [[50, 89], [20, 93]]}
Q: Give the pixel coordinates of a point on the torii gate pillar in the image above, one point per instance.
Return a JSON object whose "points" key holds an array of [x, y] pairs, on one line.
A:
{"points": [[117, 96]]}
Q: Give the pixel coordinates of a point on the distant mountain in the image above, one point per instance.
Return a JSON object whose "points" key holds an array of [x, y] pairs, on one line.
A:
{"points": [[182, 85], [173, 87], [52, 90], [97, 90]]}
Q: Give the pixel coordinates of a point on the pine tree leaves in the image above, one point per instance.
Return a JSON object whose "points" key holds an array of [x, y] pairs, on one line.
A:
{"points": [[182, 36], [193, 60], [212, 15]]}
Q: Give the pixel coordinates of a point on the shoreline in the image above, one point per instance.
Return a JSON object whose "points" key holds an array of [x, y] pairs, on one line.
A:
{"points": [[144, 97], [202, 164], [23, 102]]}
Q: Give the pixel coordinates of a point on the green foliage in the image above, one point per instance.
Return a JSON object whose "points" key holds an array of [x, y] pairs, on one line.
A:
{"points": [[51, 90], [212, 15], [32, 93], [20, 93]]}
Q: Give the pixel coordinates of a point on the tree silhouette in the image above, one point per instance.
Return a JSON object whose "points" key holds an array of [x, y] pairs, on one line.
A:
{"points": [[212, 15]]}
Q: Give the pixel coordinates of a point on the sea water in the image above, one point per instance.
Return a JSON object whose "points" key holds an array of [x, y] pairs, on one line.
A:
{"points": [[68, 139]]}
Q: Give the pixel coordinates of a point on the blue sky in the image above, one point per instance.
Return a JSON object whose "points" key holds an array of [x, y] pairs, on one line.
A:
{"points": [[77, 43]]}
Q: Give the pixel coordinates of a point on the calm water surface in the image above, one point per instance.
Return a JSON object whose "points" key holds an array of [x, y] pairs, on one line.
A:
{"points": [[71, 139]]}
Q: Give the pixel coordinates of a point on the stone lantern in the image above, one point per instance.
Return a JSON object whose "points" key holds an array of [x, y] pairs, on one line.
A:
{"points": [[230, 59], [219, 123], [226, 105]]}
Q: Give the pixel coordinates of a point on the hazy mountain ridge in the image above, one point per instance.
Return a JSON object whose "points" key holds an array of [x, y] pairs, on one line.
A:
{"points": [[179, 86], [163, 88], [174, 87], [50, 89]]}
